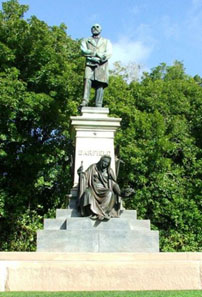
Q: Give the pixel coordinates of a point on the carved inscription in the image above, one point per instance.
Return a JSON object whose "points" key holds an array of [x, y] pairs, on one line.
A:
{"points": [[93, 153]]}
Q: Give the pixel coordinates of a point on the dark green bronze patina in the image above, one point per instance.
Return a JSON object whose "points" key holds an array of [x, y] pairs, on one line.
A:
{"points": [[97, 51], [99, 194]]}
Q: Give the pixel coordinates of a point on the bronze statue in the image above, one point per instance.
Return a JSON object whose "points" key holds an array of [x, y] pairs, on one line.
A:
{"points": [[97, 51], [99, 194]]}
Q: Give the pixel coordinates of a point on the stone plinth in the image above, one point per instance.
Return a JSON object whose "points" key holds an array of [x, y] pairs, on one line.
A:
{"points": [[100, 271], [71, 233], [94, 137]]}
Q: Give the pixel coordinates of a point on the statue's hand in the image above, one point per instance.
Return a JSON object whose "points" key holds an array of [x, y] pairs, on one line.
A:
{"points": [[95, 59], [102, 58], [127, 192], [80, 170], [111, 177]]}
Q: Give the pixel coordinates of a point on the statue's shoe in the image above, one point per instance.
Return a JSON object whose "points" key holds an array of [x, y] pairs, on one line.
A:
{"points": [[93, 217]]}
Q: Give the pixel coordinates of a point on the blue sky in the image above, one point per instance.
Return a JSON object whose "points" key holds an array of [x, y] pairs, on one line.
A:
{"points": [[146, 32]]}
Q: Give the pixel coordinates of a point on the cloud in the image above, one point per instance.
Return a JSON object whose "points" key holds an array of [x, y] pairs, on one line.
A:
{"points": [[126, 50], [197, 3], [171, 30], [139, 8], [93, 17], [194, 23], [135, 10]]}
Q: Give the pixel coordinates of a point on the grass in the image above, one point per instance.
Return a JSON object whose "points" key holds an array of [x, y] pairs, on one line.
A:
{"points": [[105, 294]]}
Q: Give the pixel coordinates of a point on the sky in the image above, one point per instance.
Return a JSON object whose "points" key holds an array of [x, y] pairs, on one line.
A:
{"points": [[144, 32]]}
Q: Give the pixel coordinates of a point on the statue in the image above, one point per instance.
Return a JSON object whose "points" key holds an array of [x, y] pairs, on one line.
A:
{"points": [[97, 51], [99, 194]]}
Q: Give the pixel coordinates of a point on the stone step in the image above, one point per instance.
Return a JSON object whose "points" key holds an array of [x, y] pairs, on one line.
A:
{"points": [[129, 214], [113, 224], [137, 224], [54, 224], [97, 241], [66, 213], [75, 223], [84, 223]]}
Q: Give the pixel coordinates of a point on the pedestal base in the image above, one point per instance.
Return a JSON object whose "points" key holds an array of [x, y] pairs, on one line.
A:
{"points": [[71, 233], [100, 272]]}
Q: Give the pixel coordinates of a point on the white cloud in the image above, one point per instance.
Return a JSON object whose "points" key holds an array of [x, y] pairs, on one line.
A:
{"points": [[126, 50], [197, 3], [93, 18], [139, 8], [171, 30], [135, 10], [194, 23]]}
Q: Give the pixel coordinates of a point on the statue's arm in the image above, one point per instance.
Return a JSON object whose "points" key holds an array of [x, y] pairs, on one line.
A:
{"points": [[108, 52], [85, 50], [82, 181], [112, 175], [89, 54], [106, 55]]}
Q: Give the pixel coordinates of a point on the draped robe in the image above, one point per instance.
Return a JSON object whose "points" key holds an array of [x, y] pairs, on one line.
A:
{"points": [[99, 194]]}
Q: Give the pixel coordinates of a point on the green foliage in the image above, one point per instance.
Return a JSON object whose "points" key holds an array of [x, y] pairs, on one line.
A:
{"points": [[160, 143], [41, 73], [22, 231]]}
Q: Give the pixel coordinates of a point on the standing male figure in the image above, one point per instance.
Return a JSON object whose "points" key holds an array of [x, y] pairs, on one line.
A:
{"points": [[97, 51]]}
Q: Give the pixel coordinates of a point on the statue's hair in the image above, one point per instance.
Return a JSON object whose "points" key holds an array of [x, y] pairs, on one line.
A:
{"points": [[106, 157]]}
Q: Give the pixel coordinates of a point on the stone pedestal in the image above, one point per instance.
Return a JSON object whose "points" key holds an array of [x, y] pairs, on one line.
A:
{"points": [[71, 233], [99, 272], [94, 137]]}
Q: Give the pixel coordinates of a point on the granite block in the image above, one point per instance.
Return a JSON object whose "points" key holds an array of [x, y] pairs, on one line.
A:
{"points": [[66, 213], [129, 214], [87, 223], [54, 224], [97, 241], [67, 241]]}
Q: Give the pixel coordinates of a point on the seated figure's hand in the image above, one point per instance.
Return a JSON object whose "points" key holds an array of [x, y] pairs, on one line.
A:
{"points": [[80, 170], [127, 192]]}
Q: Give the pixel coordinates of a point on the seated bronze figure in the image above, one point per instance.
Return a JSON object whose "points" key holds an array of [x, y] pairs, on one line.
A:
{"points": [[98, 193]]}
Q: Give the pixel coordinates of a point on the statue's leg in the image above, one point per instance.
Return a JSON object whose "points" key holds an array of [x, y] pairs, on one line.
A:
{"points": [[99, 95], [87, 87]]}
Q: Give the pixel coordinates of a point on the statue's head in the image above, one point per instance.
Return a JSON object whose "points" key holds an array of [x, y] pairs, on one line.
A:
{"points": [[105, 162], [96, 29]]}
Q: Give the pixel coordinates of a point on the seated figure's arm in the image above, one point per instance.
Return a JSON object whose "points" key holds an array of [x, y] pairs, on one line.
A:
{"points": [[80, 170], [82, 181]]}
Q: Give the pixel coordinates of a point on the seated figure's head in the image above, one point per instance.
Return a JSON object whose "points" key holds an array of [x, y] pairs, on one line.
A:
{"points": [[104, 162]]}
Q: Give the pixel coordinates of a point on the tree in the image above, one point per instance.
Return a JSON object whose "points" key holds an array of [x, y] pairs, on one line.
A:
{"points": [[160, 144], [40, 77], [41, 73], [129, 72]]}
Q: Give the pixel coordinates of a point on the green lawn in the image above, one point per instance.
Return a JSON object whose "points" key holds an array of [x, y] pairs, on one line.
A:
{"points": [[105, 294]]}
